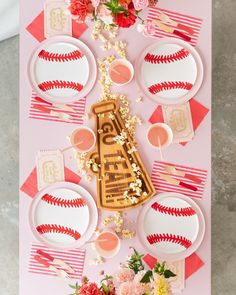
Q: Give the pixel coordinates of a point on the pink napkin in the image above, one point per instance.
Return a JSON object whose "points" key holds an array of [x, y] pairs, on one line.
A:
{"points": [[74, 258], [36, 28], [192, 263], [30, 185], [198, 112], [76, 117], [162, 186], [193, 23]]}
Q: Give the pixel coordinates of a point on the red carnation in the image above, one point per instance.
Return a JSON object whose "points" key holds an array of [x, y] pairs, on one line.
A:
{"points": [[89, 289], [126, 19], [80, 8]]}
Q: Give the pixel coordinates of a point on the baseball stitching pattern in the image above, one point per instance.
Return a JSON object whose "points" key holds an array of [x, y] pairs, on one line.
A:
{"points": [[164, 59], [56, 84], [75, 203], [178, 212], [60, 229], [60, 57], [157, 238], [156, 88]]}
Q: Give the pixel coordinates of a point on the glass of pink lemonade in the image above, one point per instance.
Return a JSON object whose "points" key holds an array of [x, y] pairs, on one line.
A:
{"points": [[160, 135], [83, 139], [107, 244], [121, 72]]}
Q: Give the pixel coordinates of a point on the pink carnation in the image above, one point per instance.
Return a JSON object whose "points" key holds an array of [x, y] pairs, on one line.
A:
{"points": [[131, 288], [89, 289], [124, 275]]}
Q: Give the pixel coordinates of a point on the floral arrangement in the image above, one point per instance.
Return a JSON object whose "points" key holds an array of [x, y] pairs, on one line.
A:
{"points": [[121, 13], [130, 279]]}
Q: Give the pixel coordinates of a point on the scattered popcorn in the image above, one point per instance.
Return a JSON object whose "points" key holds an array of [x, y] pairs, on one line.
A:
{"points": [[127, 234], [134, 200], [97, 232], [118, 220], [106, 34], [120, 139], [88, 178], [97, 261], [86, 117], [139, 99], [111, 116], [100, 131], [132, 150]]}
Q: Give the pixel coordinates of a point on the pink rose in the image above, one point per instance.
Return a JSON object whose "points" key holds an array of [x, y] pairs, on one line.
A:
{"points": [[89, 289], [140, 4], [149, 29]]}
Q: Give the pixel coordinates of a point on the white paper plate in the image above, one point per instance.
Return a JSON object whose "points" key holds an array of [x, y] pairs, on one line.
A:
{"points": [[171, 226], [62, 69], [169, 71], [63, 215]]}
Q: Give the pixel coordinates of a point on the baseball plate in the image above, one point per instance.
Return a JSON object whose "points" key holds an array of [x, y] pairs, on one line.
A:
{"points": [[63, 216], [62, 70], [171, 226], [169, 71]]}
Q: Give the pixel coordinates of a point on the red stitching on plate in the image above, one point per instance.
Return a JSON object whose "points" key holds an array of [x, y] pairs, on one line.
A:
{"points": [[60, 229], [169, 86], [176, 239], [75, 203], [56, 84], [60, 57], [164, 59], [182, 212]]}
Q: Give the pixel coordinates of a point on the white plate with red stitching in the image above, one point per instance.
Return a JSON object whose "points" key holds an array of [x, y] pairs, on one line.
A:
{"points": [[62, 70], [171, 226], [169, 71], [63, 216]]}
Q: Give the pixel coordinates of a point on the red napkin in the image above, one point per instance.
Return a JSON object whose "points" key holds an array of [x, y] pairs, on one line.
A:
{"points": [[198, 112], [30, 186], [36, 28], [192, 263]]}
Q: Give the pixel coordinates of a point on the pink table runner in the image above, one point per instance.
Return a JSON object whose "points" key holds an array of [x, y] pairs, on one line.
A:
{"points": [[39, 134]]}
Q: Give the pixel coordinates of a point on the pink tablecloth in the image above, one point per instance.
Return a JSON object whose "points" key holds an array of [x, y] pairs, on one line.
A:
{"points": [[38, 134]]}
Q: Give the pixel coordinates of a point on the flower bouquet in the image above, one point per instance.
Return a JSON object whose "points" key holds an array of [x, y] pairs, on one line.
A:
{"points": [[130, 279], [121, 13]]}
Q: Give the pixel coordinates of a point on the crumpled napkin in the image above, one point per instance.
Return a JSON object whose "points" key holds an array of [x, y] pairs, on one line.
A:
{"points": [[9, 18]]}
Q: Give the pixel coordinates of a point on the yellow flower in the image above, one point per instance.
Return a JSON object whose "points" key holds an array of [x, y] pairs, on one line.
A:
{"points": [[160, 286]]}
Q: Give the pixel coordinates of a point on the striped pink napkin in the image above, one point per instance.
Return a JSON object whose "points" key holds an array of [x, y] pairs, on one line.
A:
{"points": [[162, 185], [190, 21], [74, 258], [75, 117]]}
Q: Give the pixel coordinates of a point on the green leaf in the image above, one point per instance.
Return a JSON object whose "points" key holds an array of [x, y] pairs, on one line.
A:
{"points": [[146, 278], [159, 268], [105, 288], [73, 287], [169, 274]]}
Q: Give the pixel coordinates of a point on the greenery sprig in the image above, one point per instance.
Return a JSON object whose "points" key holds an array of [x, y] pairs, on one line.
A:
{"points": [[160, 269], [135, 262], [115, 7]]}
